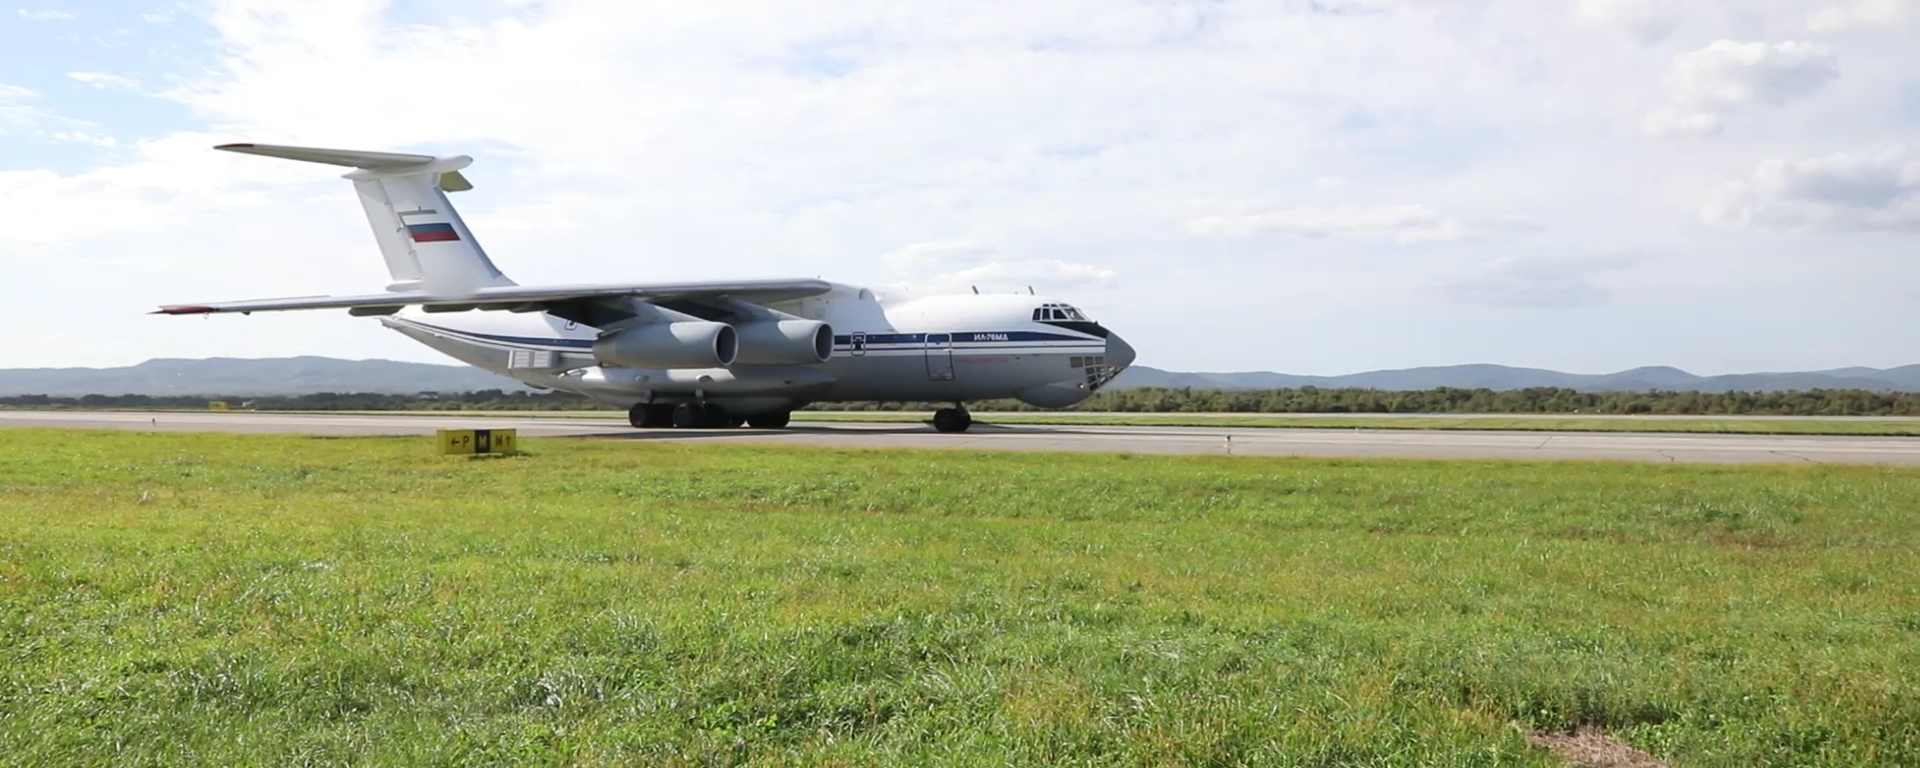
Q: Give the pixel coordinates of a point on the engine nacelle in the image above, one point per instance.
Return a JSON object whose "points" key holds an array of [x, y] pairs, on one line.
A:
{"points": [[784, 342], [669, 345]]}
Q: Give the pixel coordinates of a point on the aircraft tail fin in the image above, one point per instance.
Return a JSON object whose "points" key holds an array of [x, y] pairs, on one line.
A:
{"points": [[426, 244]]}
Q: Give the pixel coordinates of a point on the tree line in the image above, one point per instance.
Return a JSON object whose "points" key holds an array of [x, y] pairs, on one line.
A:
{"points": [[1819, 402]]}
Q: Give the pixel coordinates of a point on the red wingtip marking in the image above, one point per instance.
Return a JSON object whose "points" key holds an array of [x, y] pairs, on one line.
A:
{"points": [[184, 309]]}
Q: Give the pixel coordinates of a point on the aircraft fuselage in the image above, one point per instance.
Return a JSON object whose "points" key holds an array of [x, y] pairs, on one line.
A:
{"points": [[953, 348]]}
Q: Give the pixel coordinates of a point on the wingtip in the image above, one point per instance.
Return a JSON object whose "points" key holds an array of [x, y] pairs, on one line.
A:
{"points": [[247, 145], [182, 309]]}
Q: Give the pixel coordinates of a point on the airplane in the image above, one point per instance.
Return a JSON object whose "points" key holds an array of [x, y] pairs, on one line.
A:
{"points": [[694, 354]]}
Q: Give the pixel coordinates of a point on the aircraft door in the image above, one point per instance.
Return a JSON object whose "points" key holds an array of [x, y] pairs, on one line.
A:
{"points": [[940, 356], [859, 344]]}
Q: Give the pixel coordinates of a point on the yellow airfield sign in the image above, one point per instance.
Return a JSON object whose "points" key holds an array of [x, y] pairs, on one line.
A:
{"points": [[462, 442]]}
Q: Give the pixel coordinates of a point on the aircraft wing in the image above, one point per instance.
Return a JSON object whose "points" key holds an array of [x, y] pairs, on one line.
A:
{"points": [[519, 298]]}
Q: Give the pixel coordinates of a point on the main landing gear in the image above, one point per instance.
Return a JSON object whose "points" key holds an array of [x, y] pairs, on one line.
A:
{"points": [[645, 416], [699, 416], [952, 419], [775, 420]]}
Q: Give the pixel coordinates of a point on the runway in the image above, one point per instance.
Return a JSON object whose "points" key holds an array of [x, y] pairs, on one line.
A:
{"points": [[1625, 446]]}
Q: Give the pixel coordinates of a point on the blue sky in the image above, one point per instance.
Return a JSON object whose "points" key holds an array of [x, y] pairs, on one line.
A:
{"points": [[1311, 187]]}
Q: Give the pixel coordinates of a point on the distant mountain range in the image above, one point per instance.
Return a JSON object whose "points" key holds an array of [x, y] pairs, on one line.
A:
{"points": [[1904, 379], [247, 377], [306, 375]]}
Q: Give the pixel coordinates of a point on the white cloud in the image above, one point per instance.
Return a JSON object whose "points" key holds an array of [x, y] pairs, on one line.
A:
{"points": [[1865, 14], [105, 80], [14, 108], [1009, 142], [956, 265], [1399, 221], [1868, 190], [19, 108], [914, 256], [1666, 123], [45, 15], [1733, 74], [1053, 273], [81, 137], [172, 182], [1727, 75], [1649, 21], [1534, 282], [1403, 223]]}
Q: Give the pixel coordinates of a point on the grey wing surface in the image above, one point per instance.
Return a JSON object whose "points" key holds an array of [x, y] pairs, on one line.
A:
{"points": [[517, 298]]}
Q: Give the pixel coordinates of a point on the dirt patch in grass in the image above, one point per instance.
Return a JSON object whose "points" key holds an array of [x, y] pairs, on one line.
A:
{"points": [[1590, 747]]}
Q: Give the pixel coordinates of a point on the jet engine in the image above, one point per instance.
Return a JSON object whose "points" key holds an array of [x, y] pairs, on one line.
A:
{"points": [[785, 342], [697, 344]]}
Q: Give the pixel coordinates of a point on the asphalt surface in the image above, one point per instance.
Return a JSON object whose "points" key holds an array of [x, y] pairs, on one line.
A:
{"points": [[1170, 440], [1492, 416]]}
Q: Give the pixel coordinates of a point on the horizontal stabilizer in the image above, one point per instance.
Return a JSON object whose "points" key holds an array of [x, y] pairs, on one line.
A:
{"points": [[450, 181], [351, 158]]}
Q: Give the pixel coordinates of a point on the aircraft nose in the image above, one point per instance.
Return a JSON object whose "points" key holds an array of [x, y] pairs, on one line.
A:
{"points": [[1119, 352]]}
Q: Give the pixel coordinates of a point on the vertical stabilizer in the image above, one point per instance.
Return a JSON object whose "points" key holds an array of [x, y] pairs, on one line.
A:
{"points": [[423, 239], [402, 264]]}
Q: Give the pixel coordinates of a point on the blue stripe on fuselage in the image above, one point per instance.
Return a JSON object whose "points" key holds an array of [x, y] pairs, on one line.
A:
{"points": [[966, 337]]}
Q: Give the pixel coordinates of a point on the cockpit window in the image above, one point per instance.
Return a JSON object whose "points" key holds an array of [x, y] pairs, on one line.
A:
{"points": [[1059, 313], [1065, 316]]}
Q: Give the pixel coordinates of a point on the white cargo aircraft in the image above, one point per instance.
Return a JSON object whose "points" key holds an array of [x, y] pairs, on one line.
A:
{"points": [[706, 354]]}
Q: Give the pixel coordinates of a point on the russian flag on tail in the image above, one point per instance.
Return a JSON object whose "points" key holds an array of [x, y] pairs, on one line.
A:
{"points": [[432, 233]]}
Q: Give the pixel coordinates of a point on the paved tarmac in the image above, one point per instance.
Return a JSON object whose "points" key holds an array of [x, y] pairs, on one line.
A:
{"points": [[1169, 440], [1492, 416]]}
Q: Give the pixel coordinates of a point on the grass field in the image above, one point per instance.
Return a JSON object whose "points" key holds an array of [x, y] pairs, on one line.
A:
{"points": [[187, 599], [1709, 424]]}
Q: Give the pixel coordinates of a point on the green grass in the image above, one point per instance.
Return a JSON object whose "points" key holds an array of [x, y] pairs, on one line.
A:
{"points": [[1729, 425], [278, 600]]}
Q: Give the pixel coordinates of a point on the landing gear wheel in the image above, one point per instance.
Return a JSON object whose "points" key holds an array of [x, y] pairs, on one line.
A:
{"points": [[776, 420], [645, 416], [715, 417], [952, 420], [688, 416]]}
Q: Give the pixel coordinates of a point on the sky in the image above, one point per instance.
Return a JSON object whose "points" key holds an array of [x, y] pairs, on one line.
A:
{"points": [[1307, 186]]}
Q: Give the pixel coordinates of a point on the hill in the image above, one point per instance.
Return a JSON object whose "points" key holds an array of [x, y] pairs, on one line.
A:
{"points": [[1501, 377], [246, 377], [309, 375]]}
